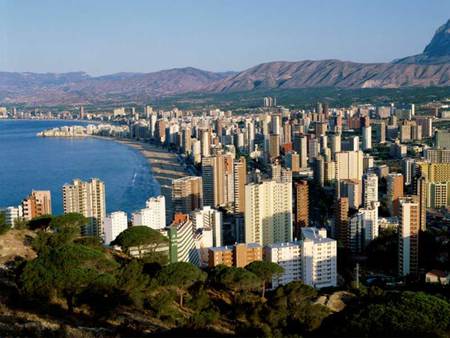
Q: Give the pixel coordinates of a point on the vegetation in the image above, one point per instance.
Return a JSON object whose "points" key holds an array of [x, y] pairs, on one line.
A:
{"points": [[3, 226], [75, 280], [145, 240]]}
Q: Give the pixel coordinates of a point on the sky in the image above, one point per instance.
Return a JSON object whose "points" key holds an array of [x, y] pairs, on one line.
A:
{"points": [[109, 36]]}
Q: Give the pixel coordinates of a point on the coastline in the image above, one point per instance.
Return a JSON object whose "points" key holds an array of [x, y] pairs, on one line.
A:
{"points": [[163, 165]]}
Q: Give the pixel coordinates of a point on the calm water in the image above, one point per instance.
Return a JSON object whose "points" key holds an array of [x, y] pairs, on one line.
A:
{"points": [[29, 162]]}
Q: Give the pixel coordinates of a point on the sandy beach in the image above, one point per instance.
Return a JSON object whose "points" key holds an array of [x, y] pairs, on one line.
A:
{"points": [[164, 165]]}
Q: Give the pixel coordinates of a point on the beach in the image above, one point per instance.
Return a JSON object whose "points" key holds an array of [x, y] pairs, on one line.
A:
{"points": [[164, 165]]}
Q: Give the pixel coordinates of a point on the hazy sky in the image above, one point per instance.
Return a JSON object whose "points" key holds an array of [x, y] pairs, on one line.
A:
{"points": [[107, 36]]}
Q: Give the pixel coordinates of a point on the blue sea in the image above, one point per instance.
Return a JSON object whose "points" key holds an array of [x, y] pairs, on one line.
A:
{"points": [[30, 162]]}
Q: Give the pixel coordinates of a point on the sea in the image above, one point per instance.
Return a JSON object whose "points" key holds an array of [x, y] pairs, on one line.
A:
{"points": [[30, 162]]}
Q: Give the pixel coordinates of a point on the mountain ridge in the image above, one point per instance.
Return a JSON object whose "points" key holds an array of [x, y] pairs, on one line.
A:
{"points": [[430, 68]]}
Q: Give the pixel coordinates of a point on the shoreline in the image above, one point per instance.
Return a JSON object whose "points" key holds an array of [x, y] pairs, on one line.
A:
{"points": [[164, 166]]}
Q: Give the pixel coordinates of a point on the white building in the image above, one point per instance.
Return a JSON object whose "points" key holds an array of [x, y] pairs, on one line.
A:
{"points": [[154, 215], [370, 189], [209, 219], [319, 258], [311, 260], [367, 138], [12, 214], [289, 257], [114, 224], [269, 220]]}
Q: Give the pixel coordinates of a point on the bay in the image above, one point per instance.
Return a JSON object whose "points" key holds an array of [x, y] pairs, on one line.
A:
{"points": [[43, 163]]}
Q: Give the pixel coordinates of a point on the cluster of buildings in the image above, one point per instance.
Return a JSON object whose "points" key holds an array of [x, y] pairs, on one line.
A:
{"points": [[257, 178]]}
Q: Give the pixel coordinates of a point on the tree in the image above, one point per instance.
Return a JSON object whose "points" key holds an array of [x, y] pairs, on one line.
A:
{"points": [[393, 314], [3, 226], [71, 223], [65, 271], [132, 281], [40, 223], [236, 279], [146, 240], [265, 271], [181, 275]]}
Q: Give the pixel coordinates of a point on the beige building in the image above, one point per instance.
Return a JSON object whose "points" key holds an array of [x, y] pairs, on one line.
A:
{"points": [[269, 220], [38, 203], [394, 192], [87, 198], [408, 248], [349, 165], [238, 255], [187, 194], [240, 180], [217, 176]]}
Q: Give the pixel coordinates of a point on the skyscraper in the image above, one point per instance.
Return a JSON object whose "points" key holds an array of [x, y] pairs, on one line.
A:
{"points": [[88, 199], [349, 165], [187, 194], [341, 221], [370, 189], [269, 220], [301, 207], [38, 203], [240, 180], [209, 219], [394, 192], [408, 248], [217, 176]]}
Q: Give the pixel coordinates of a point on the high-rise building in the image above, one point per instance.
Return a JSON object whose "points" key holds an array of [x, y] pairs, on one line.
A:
{"points": [[113, 225], [353, 191], [274, 146], [217, 176], [408, 170], [421, 189], [38, 203], [319, 170], [363, 228], [370, 189], [442, 139], [301, 207], [335, 144], [437, 155], [319, 258], [210, 219], [394, 192], [88, 199], [408, 253], [153, 215], [240, 180], [187, 194], [269, 220], [367, 138], [349, 165], [182, 241], [341, 221]]}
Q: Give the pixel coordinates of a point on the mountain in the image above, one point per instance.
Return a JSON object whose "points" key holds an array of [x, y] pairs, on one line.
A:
{"points": [[80, 88], [430, 68], [436, 52], [334, 73]]}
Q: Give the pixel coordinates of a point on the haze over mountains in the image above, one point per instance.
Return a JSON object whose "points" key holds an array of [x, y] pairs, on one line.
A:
{"points": [[431, 68]]}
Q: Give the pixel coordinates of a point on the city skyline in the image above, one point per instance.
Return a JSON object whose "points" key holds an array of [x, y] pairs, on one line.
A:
{"points": [[150, 36]]}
